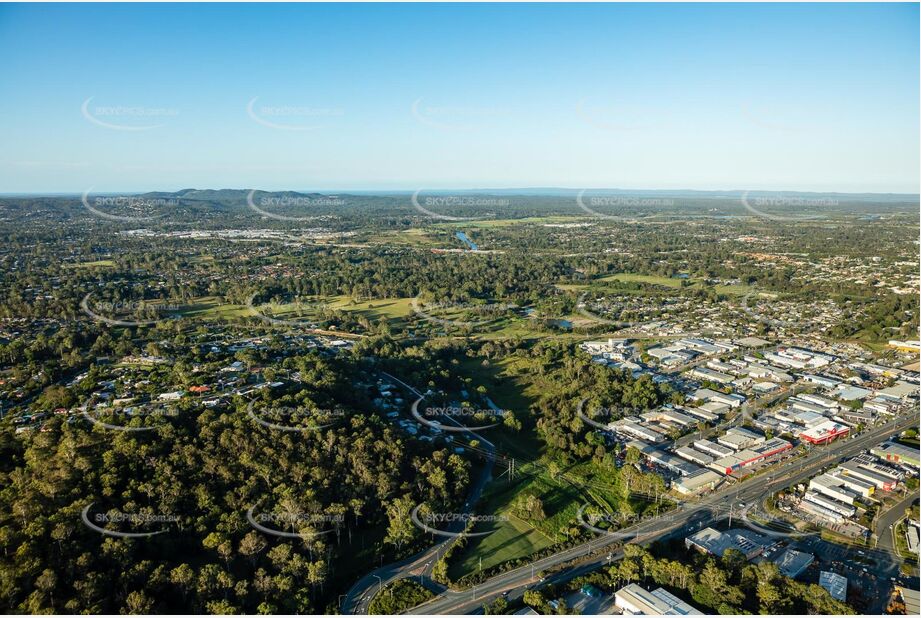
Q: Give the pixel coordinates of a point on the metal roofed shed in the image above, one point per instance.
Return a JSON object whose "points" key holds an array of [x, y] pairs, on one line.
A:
{"points": [[635, 600], [823, 433], [896, 453], [911, 599], [694, 456], [712, 541], [792, 562], [712, 448], [752, 342], [696, 481], [835, 584]]}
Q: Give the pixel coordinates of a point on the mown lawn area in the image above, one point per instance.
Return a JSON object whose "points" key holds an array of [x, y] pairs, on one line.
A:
{"points": [[650, 279], [96, 264]]}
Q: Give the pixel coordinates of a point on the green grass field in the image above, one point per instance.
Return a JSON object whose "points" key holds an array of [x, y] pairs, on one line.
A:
{"points": [[212, 308], [487, 223], [312, 308], [650, 279], [96, 264]]}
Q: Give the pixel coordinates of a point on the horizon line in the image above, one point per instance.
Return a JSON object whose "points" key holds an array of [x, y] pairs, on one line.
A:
{"points": [[410, 191]]}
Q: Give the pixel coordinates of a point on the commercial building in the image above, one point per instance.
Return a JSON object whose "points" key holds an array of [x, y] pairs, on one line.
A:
{"points": [[869, 462], [846, 392], [693, 455], [726, 465], [807, 406], [696, 482], [856, 417], [833, 488], [704, 414], [821, 380], [732, 400], [833, 505], [633, 600], [855, 470], [905, 346], [820, 511], [792, 562], [712, 541], [668, 415], [747, 457], [835, 584], [825, 432], [675, 464], [896, 453], [636, 430], [712, 448], [709, 375], [739, 438], [825, 402], [858, 486], [911, 598], [765, 372]]}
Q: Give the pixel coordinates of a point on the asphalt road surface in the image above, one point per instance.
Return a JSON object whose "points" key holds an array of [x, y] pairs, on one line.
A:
{"points": [[885, 524]]}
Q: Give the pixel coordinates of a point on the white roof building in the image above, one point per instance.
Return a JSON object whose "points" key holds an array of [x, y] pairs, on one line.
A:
{"points": [[835, 584], [634, 600]]}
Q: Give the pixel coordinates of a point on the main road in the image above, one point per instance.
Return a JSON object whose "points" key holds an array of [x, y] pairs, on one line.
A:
{"points": [[685, 518]]}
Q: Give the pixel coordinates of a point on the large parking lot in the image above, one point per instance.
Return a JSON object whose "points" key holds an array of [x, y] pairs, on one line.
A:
{"points": [[871, 571]]}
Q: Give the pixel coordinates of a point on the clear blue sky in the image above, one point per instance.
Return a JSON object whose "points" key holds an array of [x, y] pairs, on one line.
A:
{"points": [[787, 97]]}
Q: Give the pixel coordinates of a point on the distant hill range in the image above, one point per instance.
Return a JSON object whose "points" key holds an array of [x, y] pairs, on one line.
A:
{"points": [[222, 205]]}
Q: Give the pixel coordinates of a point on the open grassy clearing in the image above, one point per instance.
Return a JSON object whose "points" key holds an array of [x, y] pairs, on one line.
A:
{"points": [[487, 223], [96, 264], [213, 308], [314, 307], [671, 282], [510, 384]]}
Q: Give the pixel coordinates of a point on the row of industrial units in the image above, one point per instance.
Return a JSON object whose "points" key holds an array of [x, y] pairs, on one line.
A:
{"points": [[841, 493]]}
